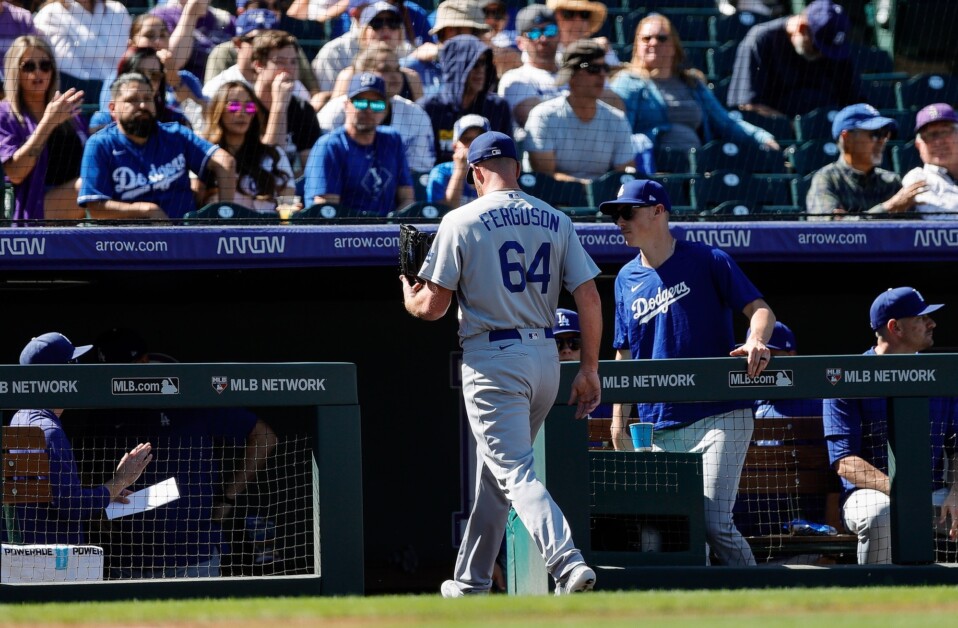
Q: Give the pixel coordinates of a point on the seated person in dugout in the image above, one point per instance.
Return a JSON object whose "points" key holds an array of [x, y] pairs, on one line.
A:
{"points": [[856, 431]]}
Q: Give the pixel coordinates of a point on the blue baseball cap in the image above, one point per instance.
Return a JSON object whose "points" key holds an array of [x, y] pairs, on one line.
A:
{"points": [[51, 348], [782, 337], [567, 322], [829, 25], [896, 303], [639, 192], [366, 82], [255, 20], [860, 117], [490, 145]]}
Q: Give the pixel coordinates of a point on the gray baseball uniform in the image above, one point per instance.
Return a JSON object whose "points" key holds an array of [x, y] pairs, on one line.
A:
{"points": [[507, 255]]}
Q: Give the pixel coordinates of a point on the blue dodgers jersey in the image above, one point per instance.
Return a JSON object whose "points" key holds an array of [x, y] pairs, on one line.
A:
{"points": [[365, 177], [115, 168], [859, 427], [683, 309]]}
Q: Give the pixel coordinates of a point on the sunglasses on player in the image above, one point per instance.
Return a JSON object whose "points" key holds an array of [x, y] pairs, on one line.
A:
{"points": [[363, 104], [625, 212]]}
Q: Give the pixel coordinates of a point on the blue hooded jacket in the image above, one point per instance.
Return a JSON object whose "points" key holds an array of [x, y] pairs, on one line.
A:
{"points": [[458, 57]]}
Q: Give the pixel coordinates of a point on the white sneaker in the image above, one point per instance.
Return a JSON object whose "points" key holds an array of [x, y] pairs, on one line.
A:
{"points": [[449, 588], [579, 580]]}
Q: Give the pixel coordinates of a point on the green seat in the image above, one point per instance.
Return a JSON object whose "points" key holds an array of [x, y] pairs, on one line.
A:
{"points": [[556, 193], [318, 211], [421, 209], [807, 157], [226, 211], [726, 155]]}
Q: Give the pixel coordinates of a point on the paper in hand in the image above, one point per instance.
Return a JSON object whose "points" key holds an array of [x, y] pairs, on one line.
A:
{"points": [[145, 499]]}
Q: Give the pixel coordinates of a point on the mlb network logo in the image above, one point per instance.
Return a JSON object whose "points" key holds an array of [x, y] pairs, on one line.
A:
{"points": [[220, 384]]}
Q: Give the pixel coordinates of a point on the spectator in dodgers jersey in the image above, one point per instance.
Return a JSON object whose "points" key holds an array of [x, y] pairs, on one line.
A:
{"points": [[361, 165], [676, 299], [936, 138], [62, 521], [856, 431], [510, 365], [138, 168]]}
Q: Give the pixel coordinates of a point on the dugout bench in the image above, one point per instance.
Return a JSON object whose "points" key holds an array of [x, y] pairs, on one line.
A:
{"points": [[566, 465], [330, 403]]}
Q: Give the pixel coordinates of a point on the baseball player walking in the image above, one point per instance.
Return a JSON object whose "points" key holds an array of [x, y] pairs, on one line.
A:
{"points": [[506, 256]]}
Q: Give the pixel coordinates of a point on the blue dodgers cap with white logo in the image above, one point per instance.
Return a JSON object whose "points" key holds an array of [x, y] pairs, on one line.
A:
{"points": [[897, 303], [829, 25], [782, 337], [567, 322], [366, 82], [255, 20], [51, 348], [860, 117], [490, 145], [639, 192]]}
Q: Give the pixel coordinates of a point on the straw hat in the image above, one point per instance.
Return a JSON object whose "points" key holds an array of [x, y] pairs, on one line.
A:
{"points": [[597, 9]]}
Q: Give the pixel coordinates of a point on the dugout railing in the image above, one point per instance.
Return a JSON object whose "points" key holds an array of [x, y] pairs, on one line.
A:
{"points": [[323, 395], [569, 469]]}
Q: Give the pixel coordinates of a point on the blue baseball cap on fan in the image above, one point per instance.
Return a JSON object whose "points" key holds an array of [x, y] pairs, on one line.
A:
{"points": [[896, 303], [639, 192], [860, 117], [829, 25], [490, 145], [51, 348], [567, 322], [255, 20], [367, 82]]}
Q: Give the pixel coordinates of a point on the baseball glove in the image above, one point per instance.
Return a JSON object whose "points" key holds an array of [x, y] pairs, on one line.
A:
{"points": [[413, 248]]}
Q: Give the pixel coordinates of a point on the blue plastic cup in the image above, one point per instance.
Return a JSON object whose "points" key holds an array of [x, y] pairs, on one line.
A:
{"points": [[641, 436]]}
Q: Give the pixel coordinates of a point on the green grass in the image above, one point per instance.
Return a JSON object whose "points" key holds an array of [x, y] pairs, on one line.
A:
{"points": [[807, 608]]}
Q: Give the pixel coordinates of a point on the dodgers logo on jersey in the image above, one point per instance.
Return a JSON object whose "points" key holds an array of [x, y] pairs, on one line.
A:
{"points": [[646, 308]]}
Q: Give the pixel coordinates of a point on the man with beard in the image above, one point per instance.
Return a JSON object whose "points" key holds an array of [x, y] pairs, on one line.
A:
{"points": [[359, 166], [138, 168]]}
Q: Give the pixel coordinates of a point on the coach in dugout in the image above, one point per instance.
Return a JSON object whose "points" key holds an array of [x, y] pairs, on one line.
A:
{"points": [[138, 168]]}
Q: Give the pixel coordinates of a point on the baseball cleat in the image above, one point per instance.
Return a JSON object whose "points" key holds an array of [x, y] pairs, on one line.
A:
{"points": [[579, 580]]}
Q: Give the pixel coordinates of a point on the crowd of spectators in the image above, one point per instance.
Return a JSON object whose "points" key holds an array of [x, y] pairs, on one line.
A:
{"points": [[581, 97]]}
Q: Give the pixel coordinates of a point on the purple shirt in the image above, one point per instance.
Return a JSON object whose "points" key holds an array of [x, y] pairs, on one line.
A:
{"points": [[14, 22], [14, 134]]}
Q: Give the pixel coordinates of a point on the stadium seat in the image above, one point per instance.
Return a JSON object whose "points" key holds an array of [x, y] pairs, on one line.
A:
{"points": [[606, 187], [91, 92], [779, 126], [696, 55], [905, 157], [925, 89], [420, 180], [872, 60], [723, 155], [669, 159], [815, 125], [807, 157], [881, 93], [732, 28], [679, 188], [905, 120], [556, 193], [691, 24], [226, 212], [753, 191], [720, 89], [800, 186], [611, 28], [720, 60], [420, 209], [319, 211]]}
